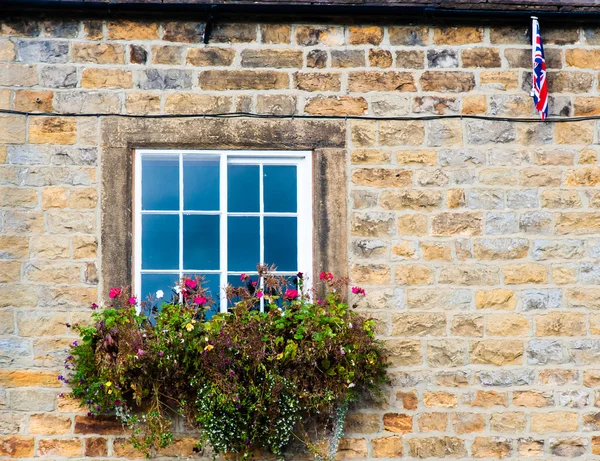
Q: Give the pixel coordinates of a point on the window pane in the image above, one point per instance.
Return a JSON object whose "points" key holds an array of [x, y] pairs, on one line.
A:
{"points": [[243, 243], [243, 182], [281, 243], [200, 182], [160, 182], [280, 188], [160, 241], [201, 242], [211, 283], [151, 283]]}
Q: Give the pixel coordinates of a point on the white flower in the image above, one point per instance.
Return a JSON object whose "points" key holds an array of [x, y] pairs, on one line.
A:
{"points": [[159, 294], [177, 289], [351, 385]]}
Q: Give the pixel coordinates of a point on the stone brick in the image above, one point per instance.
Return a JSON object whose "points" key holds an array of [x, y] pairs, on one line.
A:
{"points": [[585, 105], [60, 447], [499, 299], [516, 274], [408, 35], [485, 131], [16, 446], [577, 223], [394, 105], [555, 421], [372, 224], [431, 422], [342, 105], [411, 224], [348, 58], [415, 157], [397, 422], [33, 101], [132, 30], [407, 400], [535, 222], [50, 51], [363, 133], [10, 271], [414, 275], [96, 447], [18, 75], [53, 130], [440, 399], [105, 425], [370, 156], [191, 103], [496, 352], [468, 275], [463, 224], [474, 105], [317, 59], [509, 422], [506, 377], [61, 222], [404, 352], [278, 104], [17, 222], [382, 177], [210, 56], [569, 447], [437, 447], [351, 448], [438, 105], [321, 81], [84, 246], [362, 423], [558, 249], [501, 248], [507, 325], [555, 198], [467, 325], [444, 133], [499, 80], [410, 199], [49, 424], [424, 299], [387, 447], [42, 323], [319, 35], [176, 79], [98, 53], [18, 197], [587, 157], [532, 399], [442, 58], [185, 32], [560, 324], [410, 59], [88, 102], [467, 423], [366, 81], [457, 35], [491, 447], [371, 274], [12, 129], [563, 274], [436, 251], [569, 82], [276, 33], [480, 57], [365, 35], [277, 58], [106, 78], [488, 399], [447, 81], [400, 132], [380, 58], [446, 353], [142, 103]]}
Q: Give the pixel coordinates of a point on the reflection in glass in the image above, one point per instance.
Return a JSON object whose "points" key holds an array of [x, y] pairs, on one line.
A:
{"points": [[201, 182], [243, 183], [201, 242], [281, 243], [160, 182], [160, 241], [280, 188]]}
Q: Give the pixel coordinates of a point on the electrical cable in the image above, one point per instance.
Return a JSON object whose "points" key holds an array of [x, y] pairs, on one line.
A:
{"points": [[311, 117]]}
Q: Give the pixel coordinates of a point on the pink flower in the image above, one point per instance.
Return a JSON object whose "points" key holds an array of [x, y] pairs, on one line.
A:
{"points": [[114, 292], [244, 277], [259, 294], [132, 300], [189, 283], [319, 301], [327, 276], [291, 294], [254, 283], [94, 306], [358, 291], [140, 352], [200, 300]]}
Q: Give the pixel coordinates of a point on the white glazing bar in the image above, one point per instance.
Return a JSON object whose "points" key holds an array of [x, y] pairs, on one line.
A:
{"points": [[223, 231], [180, 156], [137, 226], [305, 219], [261, 210]]}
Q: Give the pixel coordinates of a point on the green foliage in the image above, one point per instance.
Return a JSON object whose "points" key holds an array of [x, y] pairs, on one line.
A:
{"points": [[247, 379]]}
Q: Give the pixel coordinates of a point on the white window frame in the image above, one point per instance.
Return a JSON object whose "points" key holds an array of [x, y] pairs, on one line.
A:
{"points": [[303, 161]]}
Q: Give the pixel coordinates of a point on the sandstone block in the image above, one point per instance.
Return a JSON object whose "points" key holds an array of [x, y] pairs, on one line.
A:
{"points": [[313, 81], [496, 352], [342, 105], [382, 177], [467, 423], [516, 274], [142, 103], [467, 325], [318, 35], [414, 275], [400, 132], [365, 35], [555, 421], [415, 199], [132, 30], [277, 58], [49, 424], [210, 56], [496, 299], [16, 446], [366, 81], [463, 224], [446, 353], [491, 447], [481, 57], [507, 325], [387, 447], [98, 53], [447, 81], [412, 224], [276, 33], [186, 32], [437, 447], [404, 352], [408, 35], [397, 422], [376, 274], [233, 33], [372, 224]]}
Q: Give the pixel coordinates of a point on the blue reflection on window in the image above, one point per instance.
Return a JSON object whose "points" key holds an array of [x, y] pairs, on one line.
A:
{"points": [[201, 242], [280, 188], [281, 243], [212, 283], [151, 283], [243, 243], [200, 182], [243, 183], [160, 182], [160, 241]]}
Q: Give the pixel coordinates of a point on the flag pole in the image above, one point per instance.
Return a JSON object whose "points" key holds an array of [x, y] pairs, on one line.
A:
{"points": [[533, 20]]}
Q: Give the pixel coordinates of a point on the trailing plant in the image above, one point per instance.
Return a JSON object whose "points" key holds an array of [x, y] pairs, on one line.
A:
{"points": [[247, 378]]}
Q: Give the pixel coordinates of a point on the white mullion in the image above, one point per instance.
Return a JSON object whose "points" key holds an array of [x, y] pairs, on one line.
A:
{"points": [[137, 257], [223, 230], [180, 156], [261, 218]]}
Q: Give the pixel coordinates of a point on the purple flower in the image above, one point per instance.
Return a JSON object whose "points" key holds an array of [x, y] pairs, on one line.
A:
{"points": [[74, 343]]}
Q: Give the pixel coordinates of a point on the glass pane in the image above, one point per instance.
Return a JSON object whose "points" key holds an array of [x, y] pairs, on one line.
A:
{"points": [[211, 282], [200, 182], [290, 282], [243, 243], [201, 242], [281, 243], [280, 185], [151, 283], [160, 182], [160, 241], [243, 184], [251, 285]]}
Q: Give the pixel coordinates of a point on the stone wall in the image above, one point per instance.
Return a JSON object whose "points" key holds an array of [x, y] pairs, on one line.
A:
{"points": [[477, 241]]}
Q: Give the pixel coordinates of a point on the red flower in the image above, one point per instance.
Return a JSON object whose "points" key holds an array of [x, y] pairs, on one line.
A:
{"points": [[189, 283], [132, 300], [291, 294], [244, 277], [114, 292], [200, 300], [259, 294], [328, 276], [358, 291]]}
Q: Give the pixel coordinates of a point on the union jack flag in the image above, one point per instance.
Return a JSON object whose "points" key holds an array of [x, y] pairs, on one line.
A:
{"points": [[540, 82]]}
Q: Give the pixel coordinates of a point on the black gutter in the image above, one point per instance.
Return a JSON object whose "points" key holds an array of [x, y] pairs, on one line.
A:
{"points": [[376, 12]]}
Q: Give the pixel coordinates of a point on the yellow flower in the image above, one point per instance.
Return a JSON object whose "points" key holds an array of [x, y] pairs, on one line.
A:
{"points": [[110, 391], [210, 347], [108, 384], [280, 356], [189, 327]]}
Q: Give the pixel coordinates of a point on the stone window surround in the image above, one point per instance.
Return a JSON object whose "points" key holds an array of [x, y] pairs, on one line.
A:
{"points": [[119, 137]]}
